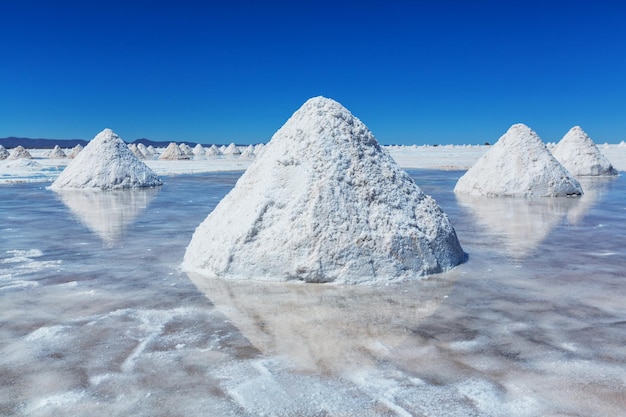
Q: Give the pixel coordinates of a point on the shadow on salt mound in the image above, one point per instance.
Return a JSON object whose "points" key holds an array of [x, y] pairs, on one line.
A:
{"points": [[520, 224], [107, 213], [327, 329]]}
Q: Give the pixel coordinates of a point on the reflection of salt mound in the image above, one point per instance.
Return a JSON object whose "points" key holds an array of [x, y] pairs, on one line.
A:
{"points": [[519, 165], [327, 328], [595, 188], [57, 153], [106, 163], [577, 152], [20, 153], [521, 224], [173, 153], [107, 213], [324, 203]]}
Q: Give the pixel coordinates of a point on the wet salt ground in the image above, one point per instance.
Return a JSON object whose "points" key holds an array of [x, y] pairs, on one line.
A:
{"points": [[97, 319]]}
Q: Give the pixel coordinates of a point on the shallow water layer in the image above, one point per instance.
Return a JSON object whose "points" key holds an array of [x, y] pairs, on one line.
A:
{"points": [[97, 318]]}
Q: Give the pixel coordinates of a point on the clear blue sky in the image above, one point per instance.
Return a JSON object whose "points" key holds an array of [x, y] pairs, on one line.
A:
{"points": [[234, 71]]}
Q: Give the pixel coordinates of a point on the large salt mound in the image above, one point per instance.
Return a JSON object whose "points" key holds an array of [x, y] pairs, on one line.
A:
{"points": [[20, 152], [324, 202], [577, 152], [519, 165], [106, 163]]}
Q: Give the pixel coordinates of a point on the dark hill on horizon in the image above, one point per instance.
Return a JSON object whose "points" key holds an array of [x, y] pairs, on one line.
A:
{"points": [[28, 143]]}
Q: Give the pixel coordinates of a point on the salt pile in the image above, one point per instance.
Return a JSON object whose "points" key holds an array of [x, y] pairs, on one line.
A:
{"points": [[4, 154], [57, 153], [75, 151], [106, 163], [173, 153], [135, 150], [577, 152], [20, 153], [520, 165], [324, 202], [198, 150]]}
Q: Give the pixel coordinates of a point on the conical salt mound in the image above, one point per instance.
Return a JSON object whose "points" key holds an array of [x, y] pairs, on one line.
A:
{"points": [[57, 153], [4, 154], [519, 165], [324, 202], [172, 153], [20, 153], [577, 152], [75, 151], [106, 163]]}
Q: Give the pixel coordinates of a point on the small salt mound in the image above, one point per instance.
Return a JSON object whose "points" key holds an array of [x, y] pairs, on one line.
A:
{"points": [[75, 151], [19, 152], [4, 154], [198, 150], [135, 150], [519, 165], [186, 149], [324, 202], [173, 153], [213, 151], [232, 150], [577, 152], [147, 154], [248, 152], [57, 153], [106, 163]]}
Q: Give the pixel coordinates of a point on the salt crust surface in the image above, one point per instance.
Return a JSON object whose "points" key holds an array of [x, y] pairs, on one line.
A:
{"points": [[518, 165], [580, 155], [324, 202], [106, 163]]}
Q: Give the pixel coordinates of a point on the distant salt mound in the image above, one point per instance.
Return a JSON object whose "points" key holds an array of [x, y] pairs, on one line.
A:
{"points": [[20, 153], [518, 165], [4, 154], [213, 151], [324, 203], [580, 155], [186, 149], [232, 150], [135, 150], [248, 152], [173, 153], [147, 154], [106, 163], [198, 150], [57, 153], [75, 151]]}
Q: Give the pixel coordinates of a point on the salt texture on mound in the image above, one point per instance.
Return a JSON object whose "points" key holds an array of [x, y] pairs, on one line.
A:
{"points": [[106, 163], [173, 153], [4, 154], [518, 165], [324, 202], [580, 155]]}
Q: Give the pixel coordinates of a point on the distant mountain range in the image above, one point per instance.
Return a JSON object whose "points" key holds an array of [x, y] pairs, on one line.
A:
{"points": [[12, 142]]}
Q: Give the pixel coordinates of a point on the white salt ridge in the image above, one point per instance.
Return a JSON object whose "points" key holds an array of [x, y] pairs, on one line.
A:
{"points": [[106, 163], [580, 155], [518, 165], [324, 202]]}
